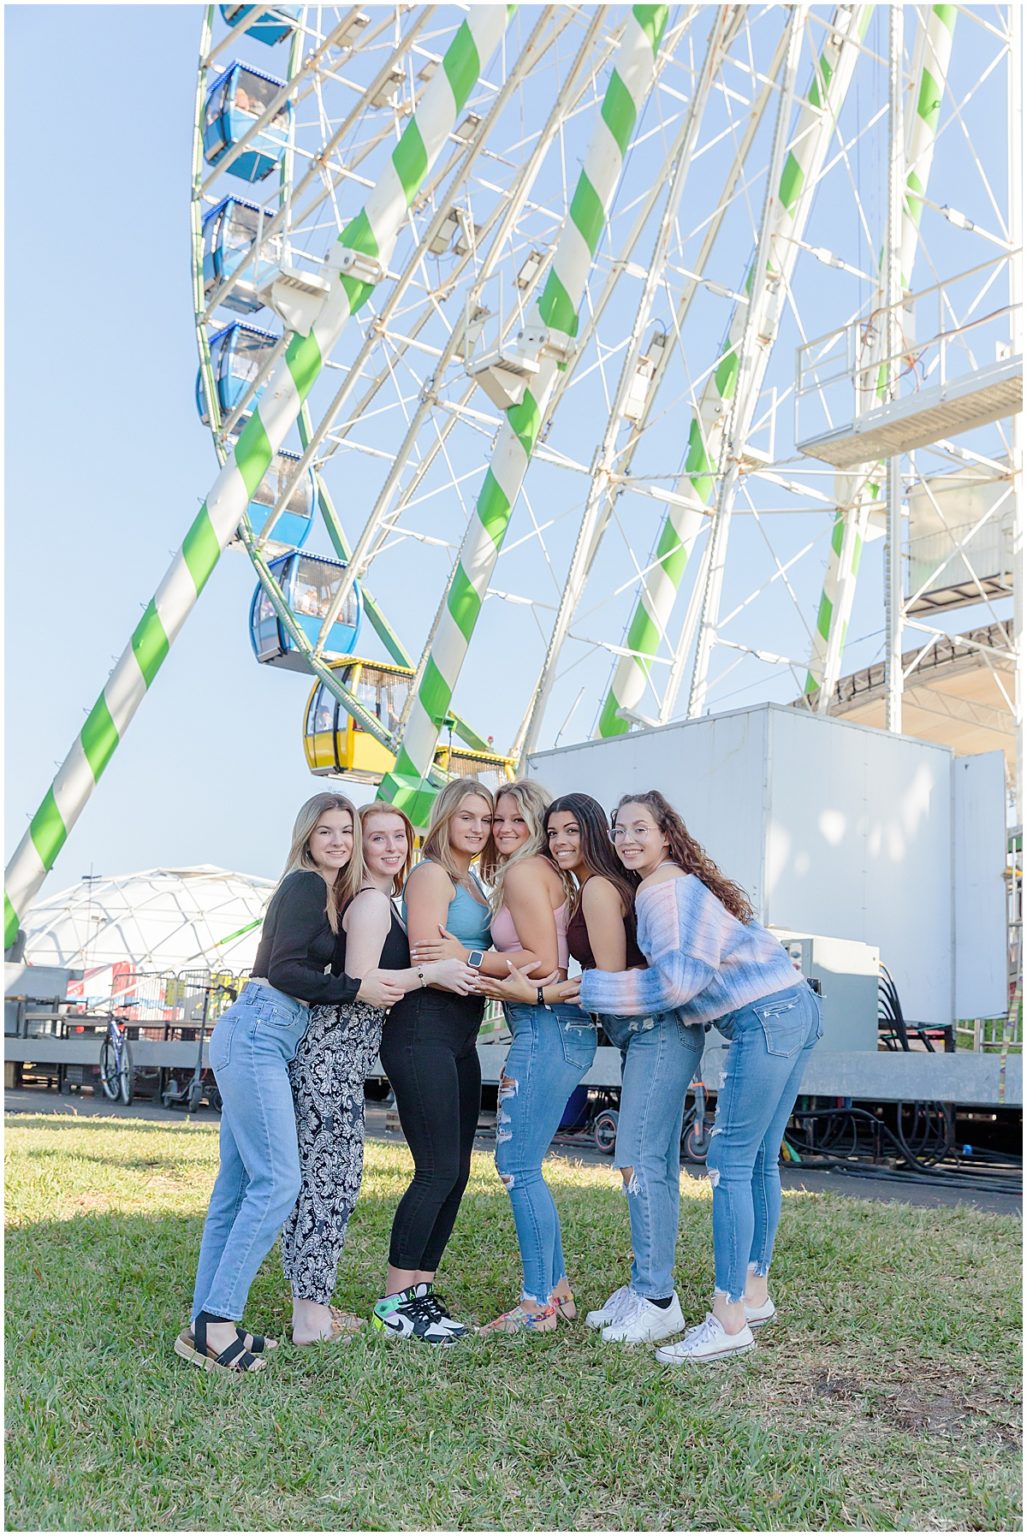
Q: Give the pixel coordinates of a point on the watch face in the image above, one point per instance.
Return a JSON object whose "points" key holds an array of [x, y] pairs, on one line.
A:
{"points": [[475, 958]]}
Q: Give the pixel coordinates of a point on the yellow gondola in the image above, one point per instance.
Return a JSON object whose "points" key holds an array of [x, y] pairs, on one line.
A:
{"points": [[338, 747]]}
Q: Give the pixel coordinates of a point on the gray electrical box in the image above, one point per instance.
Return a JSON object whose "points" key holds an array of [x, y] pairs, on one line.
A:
{"points": [[847, 972]]}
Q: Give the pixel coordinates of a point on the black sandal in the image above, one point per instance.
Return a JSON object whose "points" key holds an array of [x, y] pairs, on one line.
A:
{"points": [[256, 1343], [236, 1360]]}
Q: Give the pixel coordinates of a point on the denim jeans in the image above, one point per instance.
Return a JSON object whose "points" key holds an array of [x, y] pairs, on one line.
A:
{"points": [[770, 1044], [259, 1178], [552, 1050], [659, 1058]]}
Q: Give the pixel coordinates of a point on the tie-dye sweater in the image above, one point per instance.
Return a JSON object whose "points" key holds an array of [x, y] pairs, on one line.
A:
{"points": [[703, 962]]}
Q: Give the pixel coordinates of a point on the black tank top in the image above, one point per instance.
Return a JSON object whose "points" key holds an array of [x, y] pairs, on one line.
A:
{"points": [[395, 955]]}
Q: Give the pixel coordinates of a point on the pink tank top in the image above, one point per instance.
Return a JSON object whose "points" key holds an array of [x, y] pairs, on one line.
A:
{"points": [[504, 934]]}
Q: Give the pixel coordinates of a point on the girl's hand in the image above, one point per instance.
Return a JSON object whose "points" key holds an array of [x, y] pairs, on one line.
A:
{"points": [[515, 988], [444, 948], [521, 987], [453, 975], [378, 990]]}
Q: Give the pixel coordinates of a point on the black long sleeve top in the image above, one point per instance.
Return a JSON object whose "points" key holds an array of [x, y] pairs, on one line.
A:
{"points": [[297, 943]]}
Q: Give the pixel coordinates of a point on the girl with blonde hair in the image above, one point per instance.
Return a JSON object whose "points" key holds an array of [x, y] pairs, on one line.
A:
{"points": [[430, 1054], [552, 1047], [328, 1071], [250, 1050]]}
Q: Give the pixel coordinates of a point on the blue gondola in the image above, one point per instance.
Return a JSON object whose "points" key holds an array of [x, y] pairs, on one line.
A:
{"points": [[229, 235], [234, 101], [308, 583], [294, 524], [237, 354], [268, 26]]}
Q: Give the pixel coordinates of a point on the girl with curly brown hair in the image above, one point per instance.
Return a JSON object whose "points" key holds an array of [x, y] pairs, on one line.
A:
{"points": [[710, 962]]}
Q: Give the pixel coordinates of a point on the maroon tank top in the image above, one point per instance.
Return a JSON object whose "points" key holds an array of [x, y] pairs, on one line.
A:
{"points": [[581, 949]]}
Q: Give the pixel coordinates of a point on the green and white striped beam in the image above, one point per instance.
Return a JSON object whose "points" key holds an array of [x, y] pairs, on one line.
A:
{"points": [[556, 313], [666, 567], [857, 493], [361, 257]]}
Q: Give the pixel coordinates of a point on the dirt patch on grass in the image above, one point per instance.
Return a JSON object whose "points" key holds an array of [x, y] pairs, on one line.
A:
{"points": [[841, 1388]]}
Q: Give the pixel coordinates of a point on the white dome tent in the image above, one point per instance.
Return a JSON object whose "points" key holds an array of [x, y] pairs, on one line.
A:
{"points": [[113, 927]]}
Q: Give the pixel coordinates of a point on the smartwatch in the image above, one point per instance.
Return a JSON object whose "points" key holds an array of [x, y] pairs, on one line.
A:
{"points": [[475, 958]]}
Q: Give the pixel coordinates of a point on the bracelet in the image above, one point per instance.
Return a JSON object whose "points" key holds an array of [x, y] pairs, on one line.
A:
{"points": [[420, 975], [540, 995]]}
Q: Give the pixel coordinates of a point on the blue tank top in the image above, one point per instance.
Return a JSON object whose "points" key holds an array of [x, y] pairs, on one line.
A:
{"points": [[466, 919]]}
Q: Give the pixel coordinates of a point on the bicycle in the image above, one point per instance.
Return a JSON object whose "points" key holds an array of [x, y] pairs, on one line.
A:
{"points": [[116, 1061]]}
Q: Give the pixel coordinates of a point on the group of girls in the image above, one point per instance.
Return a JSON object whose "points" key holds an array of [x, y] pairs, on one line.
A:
{"points": [[506, 893]]}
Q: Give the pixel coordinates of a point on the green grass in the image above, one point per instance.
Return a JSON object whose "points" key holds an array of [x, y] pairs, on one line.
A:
{"points": [[885, 1397]]}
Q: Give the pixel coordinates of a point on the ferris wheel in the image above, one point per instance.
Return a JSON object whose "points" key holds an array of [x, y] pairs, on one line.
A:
{"points": [[543, 351]]}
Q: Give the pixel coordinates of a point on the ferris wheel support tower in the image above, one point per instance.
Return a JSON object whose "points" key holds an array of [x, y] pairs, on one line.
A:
{"points": [[785, 218], [547, 347], [361, 257], [857, 493]]}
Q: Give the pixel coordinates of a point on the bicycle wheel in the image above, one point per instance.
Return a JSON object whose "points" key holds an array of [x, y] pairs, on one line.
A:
{"points": [[110, 1072], [125, 1077]]}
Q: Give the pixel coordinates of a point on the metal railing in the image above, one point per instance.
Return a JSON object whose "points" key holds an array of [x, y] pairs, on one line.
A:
{"points": [[968, 323]]}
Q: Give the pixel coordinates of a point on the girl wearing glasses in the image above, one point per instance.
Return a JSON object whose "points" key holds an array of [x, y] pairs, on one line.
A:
{"points": [[709, 962]]}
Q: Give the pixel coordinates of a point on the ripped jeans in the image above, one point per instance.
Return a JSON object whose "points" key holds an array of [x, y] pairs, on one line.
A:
{"points": [[659, 1058], [551, 1052], [770, 1044]]}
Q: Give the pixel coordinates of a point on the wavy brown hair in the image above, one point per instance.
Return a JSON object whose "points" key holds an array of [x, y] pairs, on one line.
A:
{"points": [[690, 855], [597, 853]]}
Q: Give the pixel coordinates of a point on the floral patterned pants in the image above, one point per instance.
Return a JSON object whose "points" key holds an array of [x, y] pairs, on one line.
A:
{"points": [[327, 1077]]}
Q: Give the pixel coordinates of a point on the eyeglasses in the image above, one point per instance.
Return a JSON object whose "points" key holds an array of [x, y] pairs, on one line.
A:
{"points": [[618, 834]]}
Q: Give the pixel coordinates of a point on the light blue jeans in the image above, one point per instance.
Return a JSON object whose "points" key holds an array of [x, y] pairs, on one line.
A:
{"points": [[659, 1058], [259, 1178], [770, 1045], [552, 1050]]}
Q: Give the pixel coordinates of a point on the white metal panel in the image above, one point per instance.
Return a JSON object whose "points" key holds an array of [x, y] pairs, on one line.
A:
{"points": [[712, 770], [859, 847], [979, 885]]}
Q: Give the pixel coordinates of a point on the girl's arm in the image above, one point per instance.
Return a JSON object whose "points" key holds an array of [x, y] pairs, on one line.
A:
{"points": [[366, 920], [429, 892], [367, 923], [603, 911], [429, 943], [682, 928]]}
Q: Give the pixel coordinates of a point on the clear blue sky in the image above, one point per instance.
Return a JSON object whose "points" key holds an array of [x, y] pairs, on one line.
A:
{"points": [[107, 461]]}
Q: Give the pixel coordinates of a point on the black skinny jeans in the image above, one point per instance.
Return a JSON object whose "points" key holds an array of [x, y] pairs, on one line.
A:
{"points": [[430, 1055]]}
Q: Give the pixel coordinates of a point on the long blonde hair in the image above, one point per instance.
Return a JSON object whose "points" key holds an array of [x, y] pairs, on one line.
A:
{"points": [[382, 808], [447, 802], [533, 801], [350, 878]]}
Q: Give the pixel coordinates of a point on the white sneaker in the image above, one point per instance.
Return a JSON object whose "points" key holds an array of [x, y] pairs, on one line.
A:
{"points": [[640, 1322], [756, 1317], [707, 1341], [610, 1309]]}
